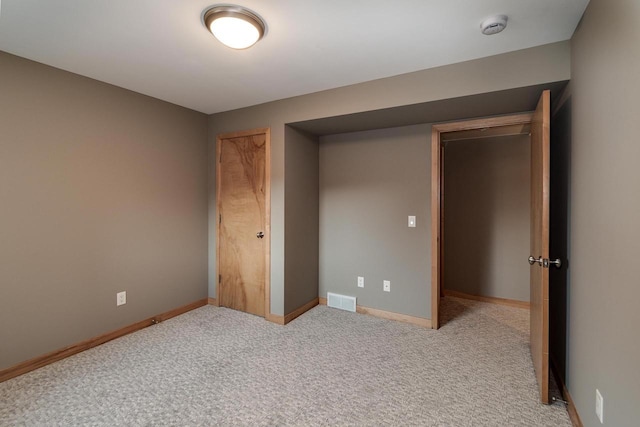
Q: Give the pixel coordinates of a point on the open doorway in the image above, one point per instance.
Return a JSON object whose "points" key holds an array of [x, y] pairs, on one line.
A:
{"points": [[486, 215], [539, 261], [474, 131]]}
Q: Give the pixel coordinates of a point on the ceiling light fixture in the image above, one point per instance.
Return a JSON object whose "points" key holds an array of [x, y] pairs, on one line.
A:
{"points": [[494, 25], [234, 26]]}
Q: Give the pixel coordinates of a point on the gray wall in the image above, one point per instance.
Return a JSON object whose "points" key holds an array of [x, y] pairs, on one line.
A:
{"points": [[544, 64], [101, 190], [486, 216], [370, 182], [301, 214], [604, 344]]}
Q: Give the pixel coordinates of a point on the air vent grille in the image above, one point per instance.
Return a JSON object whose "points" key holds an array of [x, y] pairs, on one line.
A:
{"points": [[342, 302]]}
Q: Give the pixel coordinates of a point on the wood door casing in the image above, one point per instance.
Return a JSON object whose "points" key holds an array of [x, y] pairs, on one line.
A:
{"points": [[539, 275], [243, 208]]}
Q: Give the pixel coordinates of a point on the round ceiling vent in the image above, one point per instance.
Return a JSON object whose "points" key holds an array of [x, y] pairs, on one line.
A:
{"points": [[494, 25]]}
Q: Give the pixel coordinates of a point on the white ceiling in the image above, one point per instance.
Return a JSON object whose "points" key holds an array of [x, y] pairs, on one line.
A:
{"points": [[161, 48]]}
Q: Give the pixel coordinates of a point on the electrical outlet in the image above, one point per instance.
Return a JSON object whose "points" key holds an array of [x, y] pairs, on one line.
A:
{"points": [[386, 285], [599, 406], [121, 298], [360, 282]]}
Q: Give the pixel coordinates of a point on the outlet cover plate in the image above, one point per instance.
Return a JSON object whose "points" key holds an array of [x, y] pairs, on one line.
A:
{"points": [[386, 285], [121, 298], [360, 282]]}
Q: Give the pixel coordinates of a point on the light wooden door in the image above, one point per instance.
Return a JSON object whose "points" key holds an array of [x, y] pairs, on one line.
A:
{"points": [[243, 229], [539, 259]]}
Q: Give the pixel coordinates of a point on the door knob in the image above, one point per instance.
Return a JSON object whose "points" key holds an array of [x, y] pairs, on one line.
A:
{"points": [[545, 262], [556, 262], [260, 235], [533, 260]]}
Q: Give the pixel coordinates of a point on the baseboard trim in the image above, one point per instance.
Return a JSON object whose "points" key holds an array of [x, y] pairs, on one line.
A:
{"points": [[300, 310], [275, 318], [54, 356], [571, 407], [492, 300], [213, 301], [283, 320], [389, 315]]}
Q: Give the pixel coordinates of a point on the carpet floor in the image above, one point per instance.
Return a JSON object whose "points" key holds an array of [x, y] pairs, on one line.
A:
{"points": [[215, 366]]}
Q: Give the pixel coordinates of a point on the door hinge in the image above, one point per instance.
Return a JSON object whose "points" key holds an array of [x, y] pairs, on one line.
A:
{"points": [[220, 219], [219, 278]]}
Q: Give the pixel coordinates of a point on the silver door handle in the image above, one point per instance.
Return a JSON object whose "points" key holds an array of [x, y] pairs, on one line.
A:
{"points": [[533, 260], [545, 262], [260, 235], [556, 262]]}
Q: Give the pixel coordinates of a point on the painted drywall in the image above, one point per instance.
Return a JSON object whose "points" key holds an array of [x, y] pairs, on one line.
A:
{"points": [[370, 182], [301, 225], [603, 344], [529, 67], [486, 216], [101, 190], [495, 103]]}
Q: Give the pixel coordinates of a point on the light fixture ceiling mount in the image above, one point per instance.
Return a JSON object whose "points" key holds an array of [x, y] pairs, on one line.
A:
{"points": [[234, 26]]}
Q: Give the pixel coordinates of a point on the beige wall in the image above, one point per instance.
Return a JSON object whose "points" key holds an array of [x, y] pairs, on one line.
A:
{"points": [[544, 64], [301, 227], [486, 216], [604, 344], [101, 190], [370, 182]]}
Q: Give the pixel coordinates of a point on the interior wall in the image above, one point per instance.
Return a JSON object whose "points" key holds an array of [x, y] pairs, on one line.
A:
{"points": [[603, 345], [301, 213], [370, 182], [486, 216], [101, 190], [543, 64]]}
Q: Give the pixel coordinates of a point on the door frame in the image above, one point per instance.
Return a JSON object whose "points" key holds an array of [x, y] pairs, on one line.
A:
{"points": [[437, 192], [267, 208]]}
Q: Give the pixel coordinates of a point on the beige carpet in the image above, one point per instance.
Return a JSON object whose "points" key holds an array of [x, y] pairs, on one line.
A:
{"points": [[215, 366]]}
